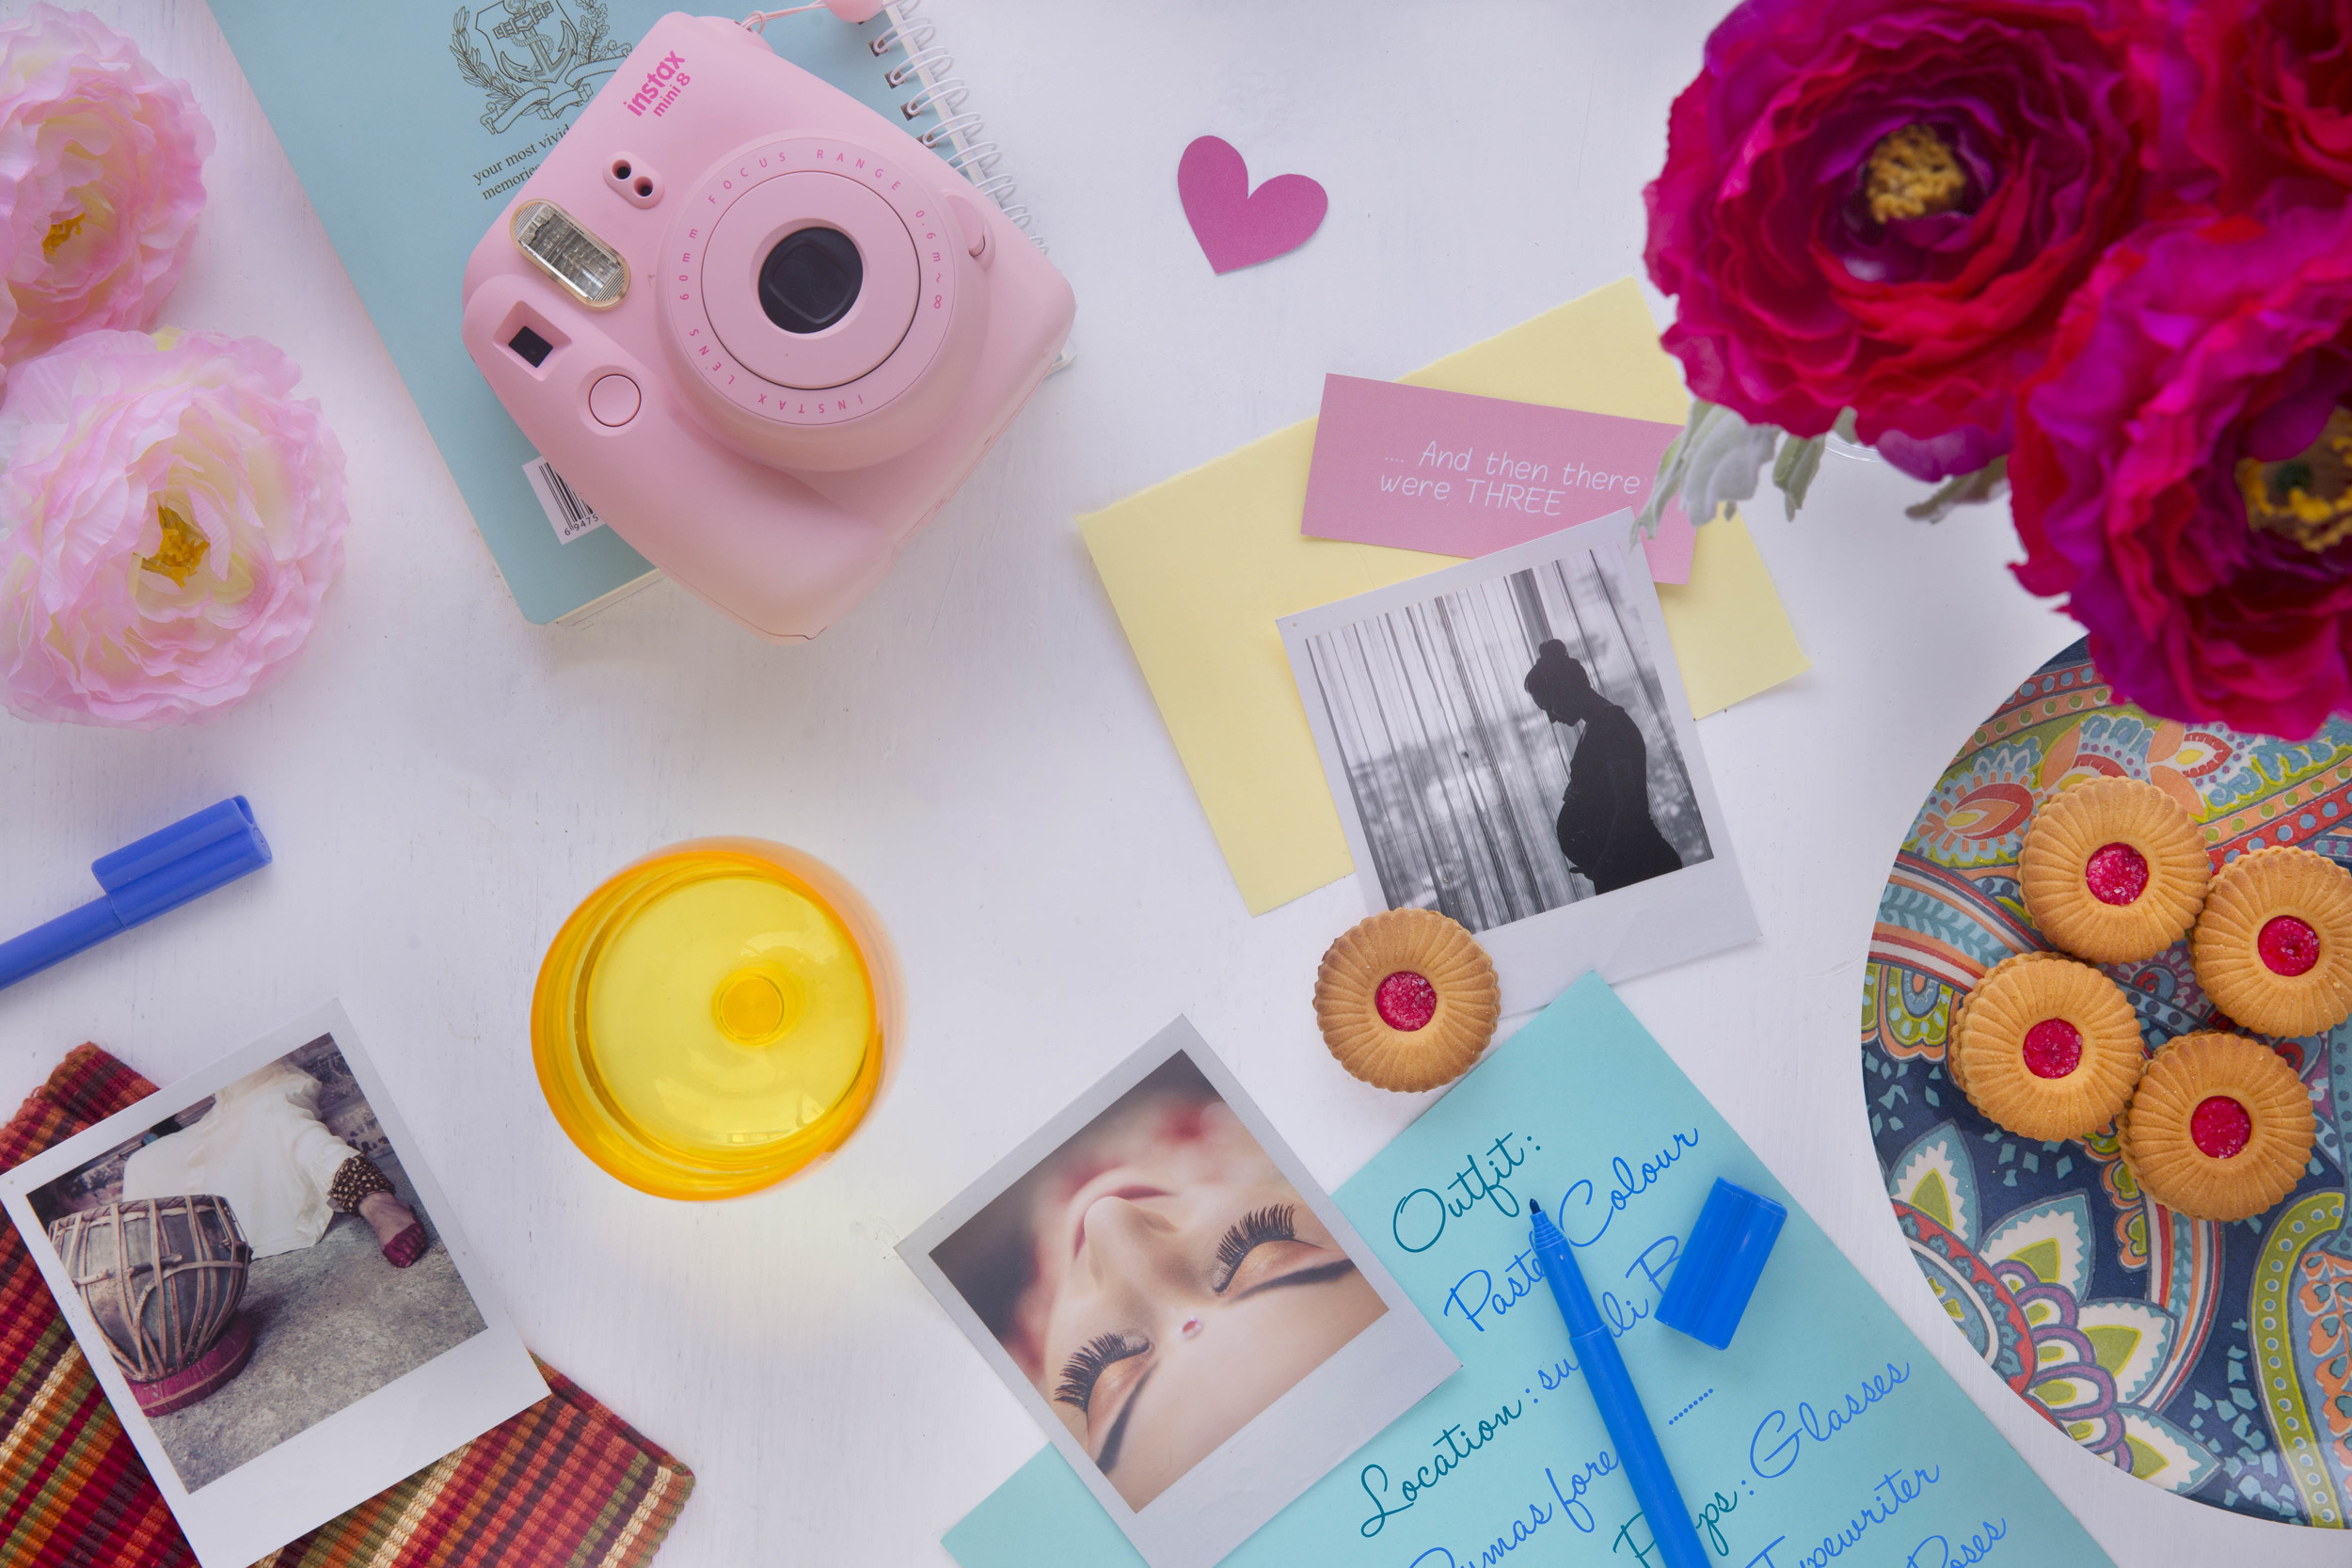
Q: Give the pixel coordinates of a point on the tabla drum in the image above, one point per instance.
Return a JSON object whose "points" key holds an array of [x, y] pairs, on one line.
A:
{"points": [[162, 1277]]}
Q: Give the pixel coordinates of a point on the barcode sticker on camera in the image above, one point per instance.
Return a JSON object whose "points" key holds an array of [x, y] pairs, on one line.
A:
{"points": [[569, 516]]}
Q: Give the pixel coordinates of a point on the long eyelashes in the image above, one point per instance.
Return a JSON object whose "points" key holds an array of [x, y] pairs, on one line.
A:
{"points": [[1079, 1375], [1254, 1230], [1274, 1223]]}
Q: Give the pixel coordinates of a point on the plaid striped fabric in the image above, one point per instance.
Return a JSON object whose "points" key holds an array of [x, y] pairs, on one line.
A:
{"points": [[564, 1484]]}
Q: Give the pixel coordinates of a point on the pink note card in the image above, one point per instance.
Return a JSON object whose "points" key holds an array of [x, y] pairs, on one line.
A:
{"points": [[1450, 473]]}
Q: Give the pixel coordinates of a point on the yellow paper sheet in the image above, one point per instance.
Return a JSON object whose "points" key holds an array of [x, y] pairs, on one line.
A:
{"points": [[1730, 635], [1201, 566]]}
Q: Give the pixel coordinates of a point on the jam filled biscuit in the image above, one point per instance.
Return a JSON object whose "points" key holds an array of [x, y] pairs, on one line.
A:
{"points": [[2044, 1045], [2113, 870], [1406, 999], [2220, 1128], [2274, 947]]}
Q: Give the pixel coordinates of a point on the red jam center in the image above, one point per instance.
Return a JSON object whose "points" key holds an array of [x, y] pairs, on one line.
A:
{"points": [[2288, 947], [2115, 874], [2052, 1048], [2220, 1127], [1406, 1001]]}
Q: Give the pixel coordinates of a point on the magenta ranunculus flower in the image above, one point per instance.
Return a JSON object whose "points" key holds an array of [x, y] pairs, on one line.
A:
{"points": [[2273, 82], [101, 161], [1883, 205], [173, 516], [2183, 469]]}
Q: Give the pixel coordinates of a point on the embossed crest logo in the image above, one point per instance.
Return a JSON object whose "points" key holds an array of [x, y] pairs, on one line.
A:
{"points": [[535, 56]]}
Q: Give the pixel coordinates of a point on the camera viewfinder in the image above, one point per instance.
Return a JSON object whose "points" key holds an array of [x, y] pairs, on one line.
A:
{"points": [[530, 347]]}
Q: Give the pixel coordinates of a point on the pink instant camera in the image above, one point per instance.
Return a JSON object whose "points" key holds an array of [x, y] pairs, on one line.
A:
{"points": [[764, 332]]}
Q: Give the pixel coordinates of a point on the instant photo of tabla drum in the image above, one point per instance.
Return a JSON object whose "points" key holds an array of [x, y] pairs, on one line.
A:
{"points": [[162, 1277]]}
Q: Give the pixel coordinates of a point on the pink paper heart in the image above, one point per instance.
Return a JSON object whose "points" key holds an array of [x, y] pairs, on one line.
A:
{"points": [[1237, 225]]}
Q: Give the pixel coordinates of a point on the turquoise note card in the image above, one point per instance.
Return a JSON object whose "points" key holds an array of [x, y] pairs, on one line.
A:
{"points": [[1826, 1433]]}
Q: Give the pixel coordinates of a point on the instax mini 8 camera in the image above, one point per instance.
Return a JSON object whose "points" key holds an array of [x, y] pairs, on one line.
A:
{"points": [[764, 332]]}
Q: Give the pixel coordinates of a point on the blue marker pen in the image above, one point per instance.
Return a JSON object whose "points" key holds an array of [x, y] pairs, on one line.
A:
{"points": [[139, 881], [1620, 1407]]}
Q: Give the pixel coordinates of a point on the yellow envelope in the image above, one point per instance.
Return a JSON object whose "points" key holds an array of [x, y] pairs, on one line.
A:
{"points": [[1201, 566]]}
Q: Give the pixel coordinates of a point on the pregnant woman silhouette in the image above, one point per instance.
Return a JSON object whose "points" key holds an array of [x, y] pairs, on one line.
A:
{"points": [[1605, 828]]}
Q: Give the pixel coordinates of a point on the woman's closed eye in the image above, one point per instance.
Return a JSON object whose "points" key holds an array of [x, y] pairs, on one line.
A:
{"points": [[1085, 1369], [1272, 1224]]}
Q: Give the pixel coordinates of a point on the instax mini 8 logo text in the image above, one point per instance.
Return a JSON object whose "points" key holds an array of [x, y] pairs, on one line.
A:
{"points": [[663, 83]]}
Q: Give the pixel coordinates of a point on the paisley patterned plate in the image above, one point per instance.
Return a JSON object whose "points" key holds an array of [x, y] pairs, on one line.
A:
{"points": [[2212, 1360]]}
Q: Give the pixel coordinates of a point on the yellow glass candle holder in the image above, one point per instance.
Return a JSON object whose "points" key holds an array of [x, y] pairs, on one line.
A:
{"points": [[716, 1017]]}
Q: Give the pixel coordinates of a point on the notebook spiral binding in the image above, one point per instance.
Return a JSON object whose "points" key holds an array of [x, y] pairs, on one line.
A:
{"points": [[927, 71]]}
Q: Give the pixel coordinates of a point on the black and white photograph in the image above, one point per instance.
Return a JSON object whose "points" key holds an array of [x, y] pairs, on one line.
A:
{"points": [[1508, 742], [255, 1255], [1186, 1313]]}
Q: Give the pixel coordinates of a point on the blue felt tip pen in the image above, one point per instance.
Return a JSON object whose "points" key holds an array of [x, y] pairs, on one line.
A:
{"points": [[139, 881], [1620, 1407]]}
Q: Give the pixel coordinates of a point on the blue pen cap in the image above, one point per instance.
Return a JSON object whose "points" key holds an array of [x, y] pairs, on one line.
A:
{"points": [[187, 859], [1719, 1265]]}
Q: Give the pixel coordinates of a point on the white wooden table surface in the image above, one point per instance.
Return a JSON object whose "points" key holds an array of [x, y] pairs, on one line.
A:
{"points": [[975, 749]]}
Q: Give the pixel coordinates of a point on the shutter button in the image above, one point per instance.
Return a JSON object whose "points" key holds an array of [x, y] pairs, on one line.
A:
{"points": [[613, 400], [975, 228]]}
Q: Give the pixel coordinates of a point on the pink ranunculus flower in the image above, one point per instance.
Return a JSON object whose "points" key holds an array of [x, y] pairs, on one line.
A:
{"points": [[173, 515], [101, 163], [1883, 205], [2184, 468], [2272, 83]]}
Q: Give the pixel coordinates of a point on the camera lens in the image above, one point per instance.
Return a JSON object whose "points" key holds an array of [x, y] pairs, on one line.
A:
{"points": [[810, 279]]}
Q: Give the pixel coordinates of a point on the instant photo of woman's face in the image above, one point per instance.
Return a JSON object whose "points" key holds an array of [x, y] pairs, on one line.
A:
{"points": [[1158, 1281]]}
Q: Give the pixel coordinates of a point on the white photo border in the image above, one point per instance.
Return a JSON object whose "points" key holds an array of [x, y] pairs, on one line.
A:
{"points": [[1634, 930], [371, 1444], [1334, 1410]]}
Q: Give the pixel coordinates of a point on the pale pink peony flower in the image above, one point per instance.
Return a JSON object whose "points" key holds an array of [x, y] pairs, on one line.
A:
{"points": [[173, 515], [101, 161]]}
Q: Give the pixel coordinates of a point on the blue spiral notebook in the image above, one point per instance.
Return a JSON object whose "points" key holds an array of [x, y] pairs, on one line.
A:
{"points": [[1825, 1435], [410, 125]]}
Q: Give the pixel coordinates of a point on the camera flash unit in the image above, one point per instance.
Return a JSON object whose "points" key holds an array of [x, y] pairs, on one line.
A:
{"points": [[590, 270]]}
